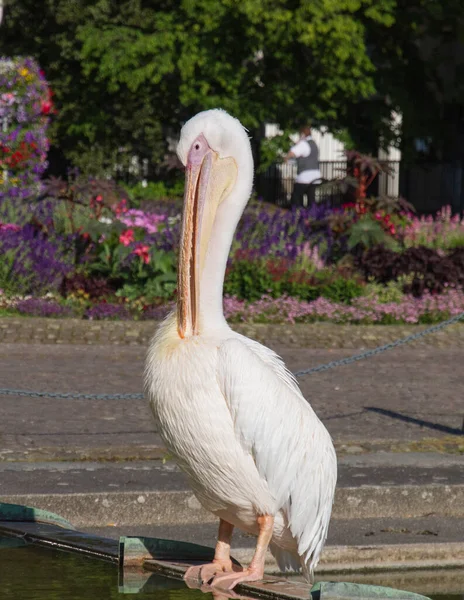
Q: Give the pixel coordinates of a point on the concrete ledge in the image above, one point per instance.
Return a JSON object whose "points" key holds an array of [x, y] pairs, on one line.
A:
{"points": [[168, 508], [376, 558], [315, 335], [345, 559], [399, 501]]}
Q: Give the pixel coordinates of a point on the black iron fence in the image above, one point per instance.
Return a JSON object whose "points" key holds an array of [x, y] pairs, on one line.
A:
{"points": [[427, 186], [276, 183]]}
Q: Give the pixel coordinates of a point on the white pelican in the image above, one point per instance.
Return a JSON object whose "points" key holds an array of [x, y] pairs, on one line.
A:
{"points": [[228, 410]]}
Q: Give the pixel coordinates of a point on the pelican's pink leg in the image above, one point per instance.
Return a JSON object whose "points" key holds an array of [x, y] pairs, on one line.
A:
{"points": [[221, 561], [255, 571]]}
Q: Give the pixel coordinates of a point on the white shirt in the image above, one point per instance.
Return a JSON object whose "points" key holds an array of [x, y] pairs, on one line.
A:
{"points": [[302, 148]]}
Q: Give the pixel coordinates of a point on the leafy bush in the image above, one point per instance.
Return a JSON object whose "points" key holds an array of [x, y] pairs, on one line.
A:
{"points": [[341, 290], [367, 232], [430, 270], [248, 280], [391, 292], [251, 280], [155, 190], [91, 287]]}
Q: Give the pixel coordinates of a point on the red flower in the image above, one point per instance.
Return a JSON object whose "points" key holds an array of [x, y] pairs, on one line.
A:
{"points": [[121, 207], [142, 251], [127, 237], [99, 198], [47, 107]]}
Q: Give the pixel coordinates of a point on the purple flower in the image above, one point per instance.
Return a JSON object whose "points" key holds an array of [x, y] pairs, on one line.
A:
{"points": [[42, 307], [106, 310]]}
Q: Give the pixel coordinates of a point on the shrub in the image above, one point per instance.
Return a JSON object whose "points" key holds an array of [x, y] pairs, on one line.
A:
{"points": [[252, 279], [430, 270], [248, 280], [92, 287], [155, 190], [341, 289]]}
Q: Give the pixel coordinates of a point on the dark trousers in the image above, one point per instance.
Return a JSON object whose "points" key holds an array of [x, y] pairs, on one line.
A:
{"points": [[303, 189]]}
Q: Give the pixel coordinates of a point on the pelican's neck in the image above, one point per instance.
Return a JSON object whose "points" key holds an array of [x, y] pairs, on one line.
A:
{"points": [[211, 315]]}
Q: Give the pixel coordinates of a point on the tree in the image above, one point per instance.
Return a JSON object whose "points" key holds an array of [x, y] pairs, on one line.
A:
{"points": [[419, 73], [124, 71]]}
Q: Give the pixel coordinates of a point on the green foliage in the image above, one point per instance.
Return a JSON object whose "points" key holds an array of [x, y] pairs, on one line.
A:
{"points": [[152, 282], [251, 280], [392, 291], [272, 149], [367, 233], [155, 190], [124, 71], [418, 74], [152, 277], [455, 240], [248, 280], [341, 289]]}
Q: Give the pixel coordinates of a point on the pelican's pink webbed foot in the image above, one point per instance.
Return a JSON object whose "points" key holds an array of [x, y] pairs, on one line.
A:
{"points": [[230, 580], [221, 563], [206, 572], [255, 572]]}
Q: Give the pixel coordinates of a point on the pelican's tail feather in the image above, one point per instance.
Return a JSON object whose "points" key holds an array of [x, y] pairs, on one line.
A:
{"points": [[287, 561]]}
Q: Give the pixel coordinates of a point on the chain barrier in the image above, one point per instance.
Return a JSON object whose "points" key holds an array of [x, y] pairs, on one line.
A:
{"points": [[320, 368]]}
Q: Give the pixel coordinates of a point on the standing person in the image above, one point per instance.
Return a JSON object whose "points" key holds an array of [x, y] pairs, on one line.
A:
{"points": [[306, 153]]}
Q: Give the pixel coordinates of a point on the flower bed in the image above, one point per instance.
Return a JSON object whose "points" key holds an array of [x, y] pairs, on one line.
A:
{"points": [[25, 106], [92, 254], [285, 309]]}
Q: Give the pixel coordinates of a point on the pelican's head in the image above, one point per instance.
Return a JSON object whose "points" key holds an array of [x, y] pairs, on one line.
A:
{"points": [[216, 153]]}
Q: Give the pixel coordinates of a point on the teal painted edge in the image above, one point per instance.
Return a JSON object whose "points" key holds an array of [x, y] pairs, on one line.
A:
{"points": [[133, 548], [328, 590], [28, 514]]}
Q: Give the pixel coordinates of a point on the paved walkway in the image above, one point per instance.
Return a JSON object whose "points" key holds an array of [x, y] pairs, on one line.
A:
{"points": [[401, 399]]}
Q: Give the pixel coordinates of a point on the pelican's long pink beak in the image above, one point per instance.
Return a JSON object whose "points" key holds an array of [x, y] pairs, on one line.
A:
{"points": [[198, 170], [208, 181]]}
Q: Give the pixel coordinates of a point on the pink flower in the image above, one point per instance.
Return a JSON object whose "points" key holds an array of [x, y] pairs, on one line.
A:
{"points": [[99, 198], [9, 227], [127, 237], [138, 218], [142, 251]]}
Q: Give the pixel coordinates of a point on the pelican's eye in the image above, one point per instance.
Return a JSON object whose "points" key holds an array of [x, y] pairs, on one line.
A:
{"points": [[198, 150]]}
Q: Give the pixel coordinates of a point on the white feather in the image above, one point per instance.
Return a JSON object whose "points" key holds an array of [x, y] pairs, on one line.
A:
{"points": [[228, 409], [291, 448]]}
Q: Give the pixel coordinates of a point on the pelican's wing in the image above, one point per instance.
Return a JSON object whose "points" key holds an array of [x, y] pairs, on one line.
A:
{"points": [[291, 448]]}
